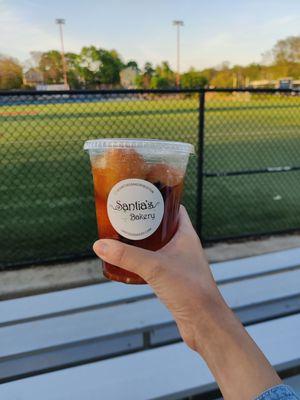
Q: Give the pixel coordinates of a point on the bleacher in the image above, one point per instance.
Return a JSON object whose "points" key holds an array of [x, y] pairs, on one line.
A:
{"points": [[113, 341]]}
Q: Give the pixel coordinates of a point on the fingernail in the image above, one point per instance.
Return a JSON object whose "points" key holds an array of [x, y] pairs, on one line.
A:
{"points": [[101, 247]]}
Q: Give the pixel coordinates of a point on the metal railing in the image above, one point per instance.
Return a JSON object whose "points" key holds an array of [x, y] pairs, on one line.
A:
{"points": [[244, 181]]}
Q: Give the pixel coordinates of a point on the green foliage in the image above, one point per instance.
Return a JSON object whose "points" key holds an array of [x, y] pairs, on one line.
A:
{"points": [[143, 81], [10, 73], [287, 50], [148, 69], [111, 66], [50, 65], [99, 66], [159, 82], [193, 80], [132, 64], [223, 79], [283, 61], [95, 67], [73, 76], [209, 73], [253, 71], [90, 68], [139, 81], [163, 77]]}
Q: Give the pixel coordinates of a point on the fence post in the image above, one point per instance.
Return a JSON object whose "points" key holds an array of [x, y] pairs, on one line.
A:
{"points": [[200, 163]]}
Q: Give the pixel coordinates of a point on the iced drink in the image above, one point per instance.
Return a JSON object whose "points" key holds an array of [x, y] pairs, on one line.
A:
{"points": [[138, 186]]}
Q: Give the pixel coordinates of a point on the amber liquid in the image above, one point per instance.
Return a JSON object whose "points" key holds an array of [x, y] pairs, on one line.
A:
{"points": [[165, 231]]}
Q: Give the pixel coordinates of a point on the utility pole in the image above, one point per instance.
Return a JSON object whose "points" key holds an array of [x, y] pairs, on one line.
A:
{"points": [[60, 22], [178, 24]]}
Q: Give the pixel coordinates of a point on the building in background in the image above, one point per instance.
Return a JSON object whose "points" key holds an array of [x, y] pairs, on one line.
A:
{"points": [[296, 84], [282, 83], [33, 78], [128, 77]]}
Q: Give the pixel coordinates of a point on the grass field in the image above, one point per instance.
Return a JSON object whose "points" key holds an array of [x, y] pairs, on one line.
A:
{"points": [[47, 209]]}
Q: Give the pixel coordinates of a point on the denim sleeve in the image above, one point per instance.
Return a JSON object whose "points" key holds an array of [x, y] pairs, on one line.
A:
{"points": [[280, 392]]}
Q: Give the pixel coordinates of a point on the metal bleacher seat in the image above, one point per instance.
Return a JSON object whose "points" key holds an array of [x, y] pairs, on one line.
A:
{"points": [[114, 341]]}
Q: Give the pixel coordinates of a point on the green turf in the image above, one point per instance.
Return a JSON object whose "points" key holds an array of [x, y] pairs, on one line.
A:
{"points": [[47, 208]]}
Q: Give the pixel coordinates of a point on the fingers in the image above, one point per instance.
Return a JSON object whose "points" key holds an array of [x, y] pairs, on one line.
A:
{"points": [[185, 227], [143, 262], [140, 261], [184, 237], [184, 219]]}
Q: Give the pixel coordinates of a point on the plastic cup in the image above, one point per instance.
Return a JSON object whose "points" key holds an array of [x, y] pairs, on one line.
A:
{"points": [[138, 185]]}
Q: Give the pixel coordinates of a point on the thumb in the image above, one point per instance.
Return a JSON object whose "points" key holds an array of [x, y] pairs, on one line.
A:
{"points": [[140, 261]]}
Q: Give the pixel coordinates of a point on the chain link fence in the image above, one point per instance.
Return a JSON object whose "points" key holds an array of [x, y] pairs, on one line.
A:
{"points": [[251, 166], [244, 180], [47, 203]]}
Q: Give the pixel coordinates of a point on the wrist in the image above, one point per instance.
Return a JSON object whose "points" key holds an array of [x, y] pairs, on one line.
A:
{"points": [[204, 320], [215, 327]]}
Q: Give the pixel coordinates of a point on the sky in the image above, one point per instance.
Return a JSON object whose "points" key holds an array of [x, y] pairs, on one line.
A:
{"points": [[238, 31]]}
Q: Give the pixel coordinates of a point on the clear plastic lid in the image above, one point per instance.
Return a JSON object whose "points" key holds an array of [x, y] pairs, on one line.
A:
{"points": [[151, 145]]}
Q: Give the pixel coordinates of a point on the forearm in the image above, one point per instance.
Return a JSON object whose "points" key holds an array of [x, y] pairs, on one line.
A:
{"points": [[240, 368], [180, 276]]}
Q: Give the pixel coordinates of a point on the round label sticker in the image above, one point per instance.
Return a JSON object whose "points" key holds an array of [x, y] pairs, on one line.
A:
{"points": [[135, 208]]}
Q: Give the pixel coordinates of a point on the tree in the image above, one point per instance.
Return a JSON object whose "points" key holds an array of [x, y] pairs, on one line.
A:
{"points": [[287, 50], [164, 70], [159, 82], [193, 80], [132, 64], [253, 71], [99, 66], [223, 79], [163, 77], [110, 68], [51, 66], [11, 76], [148, 69], [209, 73], [73, 75], [139, 81], [90, 68], [89, 65], [143, 81]]}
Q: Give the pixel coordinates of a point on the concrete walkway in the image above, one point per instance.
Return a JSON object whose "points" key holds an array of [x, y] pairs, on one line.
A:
{"points": [[44, 278]]}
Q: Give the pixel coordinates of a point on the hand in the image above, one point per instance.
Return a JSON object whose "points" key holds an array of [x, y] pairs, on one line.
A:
{"points": [[180, 276], [178, 273]]}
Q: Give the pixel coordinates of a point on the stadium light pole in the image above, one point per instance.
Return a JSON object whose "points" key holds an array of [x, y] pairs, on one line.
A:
{"points": [[178, 24], [60, 22]]}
